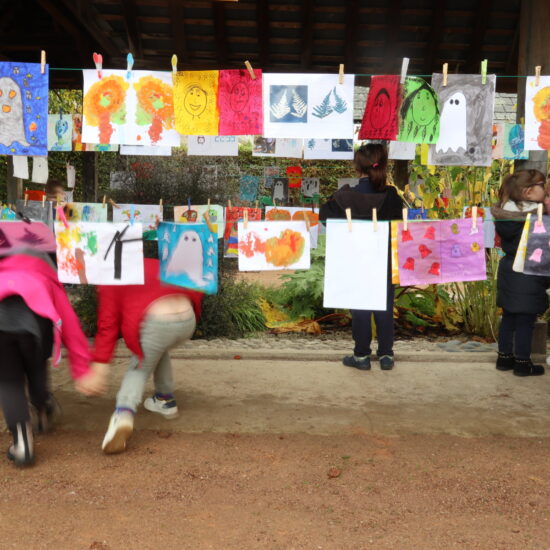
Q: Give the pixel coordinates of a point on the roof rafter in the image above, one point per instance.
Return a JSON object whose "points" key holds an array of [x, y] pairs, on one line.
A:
{"points": [[220, 32], [436, 33], [352, 24], [178, 30], [132, 28], [262, 19], [473, 59], [307, 34]]}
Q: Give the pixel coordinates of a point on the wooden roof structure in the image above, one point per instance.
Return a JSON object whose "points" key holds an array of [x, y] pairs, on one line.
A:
{"points": [[368, 36]]}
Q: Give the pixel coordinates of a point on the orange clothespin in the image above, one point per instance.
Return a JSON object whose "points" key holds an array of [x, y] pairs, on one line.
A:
{"points": [[113, 203], [250, 70]]}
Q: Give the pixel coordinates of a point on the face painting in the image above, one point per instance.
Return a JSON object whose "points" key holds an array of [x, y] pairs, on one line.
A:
{"points": [[195, 100], [239, 97], [423, 108], [381, 111]]}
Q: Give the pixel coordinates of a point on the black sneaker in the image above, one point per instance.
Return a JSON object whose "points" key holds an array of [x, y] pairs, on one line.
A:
{"points": [[46, 418], [361, 363], [386, 362], [505, 361], [22, 451], [525, 367]]}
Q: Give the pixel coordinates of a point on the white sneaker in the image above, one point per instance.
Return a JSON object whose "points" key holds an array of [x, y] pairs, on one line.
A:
{"points": [[119, 431], [167, 407]]}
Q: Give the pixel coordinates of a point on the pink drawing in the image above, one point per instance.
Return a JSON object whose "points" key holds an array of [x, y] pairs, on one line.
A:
{"points": [[430, 233], [406, 236], [539, 227], [536, 256], [424, 250], [409, 264]]}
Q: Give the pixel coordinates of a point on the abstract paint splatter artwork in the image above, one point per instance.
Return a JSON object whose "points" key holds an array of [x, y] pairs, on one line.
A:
{"points": [[380, 117], [23, 109], [273, 245], [148, 215], [60, 132], [230, 236], [189, 256], [295, 214], [16, 235], [419, 112]]}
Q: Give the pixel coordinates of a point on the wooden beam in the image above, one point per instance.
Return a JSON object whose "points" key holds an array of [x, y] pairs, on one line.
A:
{"points": [[393, 26], [178, 30], [262, 20], [436, 33], [307, 33], [220, 32], [132, 27], [475, 55], [350, 30]]}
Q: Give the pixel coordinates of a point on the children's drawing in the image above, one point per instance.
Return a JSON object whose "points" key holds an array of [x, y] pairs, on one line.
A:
{"points": [[248, 188], [338, 149], [188, 256], [86, 212], [306, 105], [537, 114], [497, 141], [23, 109], [280, 147], [514, 142], [537, 251], [36, 211], [380, 117], [196, 102], [218, 146], [240, 103], [264, 146], [215, 214], [77, 132], [280, 189], [100, 253], [146, 150], [466, 124], [15, 235], [273, 245], [148, 215], [490, 236], [400, 150], [101, 147], [311, 187], [294, 174], [230, 236], [419, 113], [441, 252], [356, 265], [6, 213], [269, 173], [296, 213], [60, 128]]}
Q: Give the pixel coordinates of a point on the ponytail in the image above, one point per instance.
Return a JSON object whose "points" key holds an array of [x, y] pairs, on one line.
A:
{"points": [[371, 160]]}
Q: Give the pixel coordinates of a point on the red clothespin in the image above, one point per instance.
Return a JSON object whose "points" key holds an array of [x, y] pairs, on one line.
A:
{"points": [[98, 60]]}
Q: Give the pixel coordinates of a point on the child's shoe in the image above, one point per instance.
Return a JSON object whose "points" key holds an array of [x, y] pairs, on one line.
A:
{"points": [[22, 450], [505, 361], [119, 431], [361, 363], [386, 362], [162, 404], [47, 416], [525, 367]]}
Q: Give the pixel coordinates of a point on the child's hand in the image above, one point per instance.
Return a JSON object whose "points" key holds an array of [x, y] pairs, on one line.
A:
{"points": [[95, 381]]}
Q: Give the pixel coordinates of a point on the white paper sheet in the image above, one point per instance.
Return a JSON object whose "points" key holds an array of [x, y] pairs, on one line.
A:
{"points": [[20, 167], [219, 146], [146, 150], [400, 150], [60, 132], [537, 118], [40, 169], [71, 176], [337, 149]]}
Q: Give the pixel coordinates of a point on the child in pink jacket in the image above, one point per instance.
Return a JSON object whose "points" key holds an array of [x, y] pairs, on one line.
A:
{"points": [[36, 316]]}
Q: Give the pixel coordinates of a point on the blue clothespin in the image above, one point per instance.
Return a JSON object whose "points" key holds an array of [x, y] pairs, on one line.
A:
{"points": [[130, 59], [132, 212], [188, 203]]}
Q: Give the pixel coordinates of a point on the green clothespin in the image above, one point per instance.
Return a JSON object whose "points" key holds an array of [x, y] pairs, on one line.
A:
{"points": [[484, 71]]}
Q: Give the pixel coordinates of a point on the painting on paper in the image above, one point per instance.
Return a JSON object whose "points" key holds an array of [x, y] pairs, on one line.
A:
{"points": [[400, 150], [296, 213], [231, 236], [248, 188], [294, 175], [16, 235], [380, 116], [148, 215], [419, 112], [337, 149], [356, 265], [188, 256], [537, 114], [433, 252], [86, 212], [6, 213], [146, 150], [184, 214], [280, 189], [514, 142], [497, 141], [60, 132], [214, 146], [537, 258], [101, 147], [269, 173], [240, 103], [99, 253], [466, 123], [277, 147], [311, 187], [273, 246], [490, 236], [77, 132], [196, 103], [306, 105], [36, 211], [24, 112], [122, 180]]}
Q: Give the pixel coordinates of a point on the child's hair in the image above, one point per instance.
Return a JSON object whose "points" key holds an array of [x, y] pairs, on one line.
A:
{"points": [[372, 160], [513, 185], [52, 185]]}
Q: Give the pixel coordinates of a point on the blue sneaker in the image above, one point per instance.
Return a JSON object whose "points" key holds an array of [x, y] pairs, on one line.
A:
{"points": [[166, 407], [386, 362], [361, 363]]}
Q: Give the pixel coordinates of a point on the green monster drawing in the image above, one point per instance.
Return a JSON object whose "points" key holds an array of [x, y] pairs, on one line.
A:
{"points": [[419, 115]]}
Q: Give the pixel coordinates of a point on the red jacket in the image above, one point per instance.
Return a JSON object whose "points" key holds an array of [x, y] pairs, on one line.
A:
{"points": [[121, 309]]}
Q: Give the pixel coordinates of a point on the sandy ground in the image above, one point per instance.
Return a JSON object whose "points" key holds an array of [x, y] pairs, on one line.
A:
{"points": [[296, 454]]}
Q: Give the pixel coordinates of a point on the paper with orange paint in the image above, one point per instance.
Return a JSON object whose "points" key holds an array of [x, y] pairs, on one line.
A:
{"points": [[135, 111], [394, 256], [196, 102], [537, 114], [266, 246], [296, 213]]}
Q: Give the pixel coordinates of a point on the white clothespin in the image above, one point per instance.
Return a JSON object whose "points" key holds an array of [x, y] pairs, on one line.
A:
{"points": [[104, 201], [130, 64], [404, 69], [474, 218], [98, 60], [250, 70], [42, 61], [484, 71], [445, 73], [374, 220], [405, 218], [348, 216], [26, 198], [245, 218], [174, 64], [208, 203], [539, 214], [537, 75], [341, 74]]}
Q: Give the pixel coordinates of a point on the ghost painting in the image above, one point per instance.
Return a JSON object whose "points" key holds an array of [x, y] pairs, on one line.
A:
{"points": [[189, 256], [466, 124], [280, 189], [12, 125]]}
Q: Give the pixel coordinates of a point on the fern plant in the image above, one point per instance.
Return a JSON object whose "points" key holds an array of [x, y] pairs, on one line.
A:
{"points": [[340, 104], [324, 108]]}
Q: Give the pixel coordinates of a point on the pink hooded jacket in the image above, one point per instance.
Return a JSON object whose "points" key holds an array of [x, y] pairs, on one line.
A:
{"points": [[36, 282]]}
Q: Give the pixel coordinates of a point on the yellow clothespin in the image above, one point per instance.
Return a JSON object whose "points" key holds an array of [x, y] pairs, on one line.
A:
{"points": [[26, 198], [42, 61], [104, 201], [537, 75], [341, 74], [208, 222], [484, 71], [474, 217], [374, 220], [404, 69], [174, 64], [539, 213], [250, 70], [405, 218], [256, 204], [245, 218], [445, 73], [348, 216], [44, 201]]}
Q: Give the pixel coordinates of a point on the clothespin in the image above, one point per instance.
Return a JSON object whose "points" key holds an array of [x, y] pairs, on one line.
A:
{"points": [[445, 71], [484, 71], [348, 216], [229, 204], [44, 201], [26, 198], [160, 205], [274, 203], [245, 218], [42, 61], [208, 203], [341, 74], [208, 222], [474, 217], [104, 201], [539, 213], [537, 75], [307, 223], [61, 216], [405, 218], [404, 69], [256, 204], [98, 60], [130, 64], [250, 70], [374, 220], [174, 64]]}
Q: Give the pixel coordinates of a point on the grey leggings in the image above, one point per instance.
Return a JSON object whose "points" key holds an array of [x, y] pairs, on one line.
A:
{"points": [[158, 336]]}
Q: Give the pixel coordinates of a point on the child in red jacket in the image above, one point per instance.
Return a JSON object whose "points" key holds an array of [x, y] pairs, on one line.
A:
{"points": [[153, 318]]}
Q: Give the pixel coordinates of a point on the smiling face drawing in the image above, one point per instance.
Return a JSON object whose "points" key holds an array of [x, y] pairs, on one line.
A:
{"points": [[381, 110], [424, 108], [239, 97], [195, 100]]}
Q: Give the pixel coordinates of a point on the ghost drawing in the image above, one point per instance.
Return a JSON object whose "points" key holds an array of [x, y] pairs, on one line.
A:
{"points": [[279, 191], [452, 134], [12, 124], [187, 258]]}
